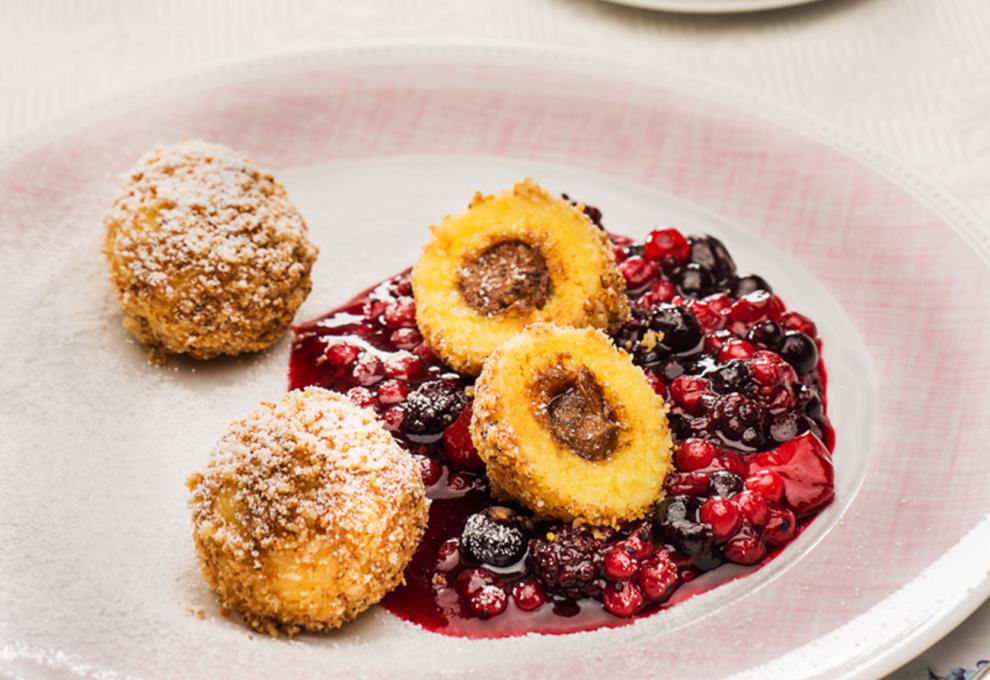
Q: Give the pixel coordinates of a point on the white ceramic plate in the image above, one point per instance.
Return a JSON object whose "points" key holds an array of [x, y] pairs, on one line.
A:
{"points": [[712, 6], [375, 143]]}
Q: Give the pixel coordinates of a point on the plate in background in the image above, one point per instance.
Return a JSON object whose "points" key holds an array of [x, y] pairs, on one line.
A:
{"points": [[711, 6], [98, 564]]}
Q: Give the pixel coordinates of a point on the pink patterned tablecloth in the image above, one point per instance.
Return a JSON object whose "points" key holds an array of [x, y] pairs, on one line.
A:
{"points": [[908, 75]]}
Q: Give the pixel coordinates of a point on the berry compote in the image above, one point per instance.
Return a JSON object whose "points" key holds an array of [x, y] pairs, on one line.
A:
{"points": [[752, 455]]}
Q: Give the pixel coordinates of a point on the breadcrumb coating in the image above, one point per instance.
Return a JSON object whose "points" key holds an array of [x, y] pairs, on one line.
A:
{"points": [[560, 268], [307, 513], [527, 458], [205, 252]]}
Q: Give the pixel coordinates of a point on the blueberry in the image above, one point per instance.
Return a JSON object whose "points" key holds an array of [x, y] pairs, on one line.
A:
{"points": [[813, 407], [786, 426], [677, 525], [432, 406], [766, 334], [725, 484], [731, 376], [675, 509], [753, 438], [671, 267], [710, 253], [495, 536], [679, 425], [747, 284], [681, 332], [691, 538], [699, 427], [816, 429], [708, 558], [799, 351], [695, 281], [674, 367]]}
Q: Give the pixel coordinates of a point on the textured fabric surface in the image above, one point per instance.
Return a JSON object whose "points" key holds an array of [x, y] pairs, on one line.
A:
{"points": [[908, 75]]}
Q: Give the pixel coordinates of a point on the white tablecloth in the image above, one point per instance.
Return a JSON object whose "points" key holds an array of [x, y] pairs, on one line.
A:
{"points": [[911, 76]]}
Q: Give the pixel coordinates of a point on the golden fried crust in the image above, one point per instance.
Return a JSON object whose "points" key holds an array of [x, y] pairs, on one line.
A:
{"points": [[307, 513], [586, 287], [205, 252], [526, 462]]}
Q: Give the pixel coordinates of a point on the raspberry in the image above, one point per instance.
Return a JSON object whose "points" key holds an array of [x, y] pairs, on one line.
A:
{"points": [[528, 595], [658, 576], [722, 516], [735, 348], [745, 548], [405, 338], [488, 602], [686, 391], [622, 599], [638, 271], [767, 483], [620, 565], [400, 313], [361, 396], [663, 243], [431, 470], [457, 444], [341, 354], [694, 454], [753, 507], [781, 526], [392, 392]]}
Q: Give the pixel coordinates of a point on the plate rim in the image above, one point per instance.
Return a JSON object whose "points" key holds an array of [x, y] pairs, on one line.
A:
{"points": [[711, 6], [954, 212]]}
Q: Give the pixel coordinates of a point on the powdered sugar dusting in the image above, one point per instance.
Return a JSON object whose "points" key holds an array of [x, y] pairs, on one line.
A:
{"points": [[206, 252], [318, 478], [307, 461]]}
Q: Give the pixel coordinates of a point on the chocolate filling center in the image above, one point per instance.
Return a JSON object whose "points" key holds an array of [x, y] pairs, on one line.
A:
{"points": [[579, 417], [509, 274]]}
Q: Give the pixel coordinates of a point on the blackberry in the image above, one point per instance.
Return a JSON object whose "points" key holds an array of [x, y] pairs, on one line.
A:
{"points": [[570, 562], [432, 406], [741, 420], [495, 536]]}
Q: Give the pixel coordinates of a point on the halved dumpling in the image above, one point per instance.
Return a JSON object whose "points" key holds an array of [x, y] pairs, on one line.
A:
{"points": [[570, 427], [512, 259]]}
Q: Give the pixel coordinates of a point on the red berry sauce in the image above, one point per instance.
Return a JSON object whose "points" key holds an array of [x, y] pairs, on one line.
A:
{"points": [[752, 459]]}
